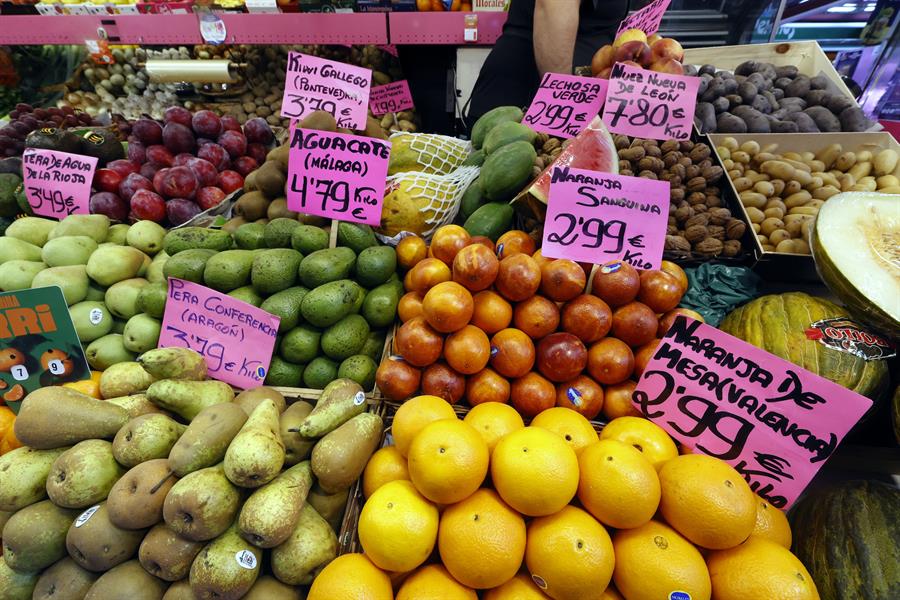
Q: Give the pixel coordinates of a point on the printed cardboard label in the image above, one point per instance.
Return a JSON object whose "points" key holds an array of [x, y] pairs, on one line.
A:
{"points": [[565, 104], [774, 422], [58, 184], [647, 104], [599, 217], [391, 98], [647, 19], [38, 344], [337, 176], [314, 83], [235, 338]]}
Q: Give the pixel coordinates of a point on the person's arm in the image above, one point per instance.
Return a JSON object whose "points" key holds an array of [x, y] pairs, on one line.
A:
{"points": [[555, 29]]}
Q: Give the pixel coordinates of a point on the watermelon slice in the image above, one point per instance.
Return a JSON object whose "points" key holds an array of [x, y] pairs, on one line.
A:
{"points": [[593, 149]]}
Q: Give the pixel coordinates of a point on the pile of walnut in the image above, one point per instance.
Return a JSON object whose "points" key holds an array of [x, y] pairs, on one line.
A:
{"points": [[700, 224], [547, 148], [782, 192]]}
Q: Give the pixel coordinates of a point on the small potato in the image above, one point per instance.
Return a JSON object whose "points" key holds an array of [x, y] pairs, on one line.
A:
{"points": [[770, 225], [753, 199], [804, 210], [894, 189], [724, 153], [791, 187], [731, 143], [816, 165], [793, 227], [769, 148], [763, 240], [860, 170], [778, 169], [798, 199], [778, 185], [863, 187], [778, 236], [827, 178], [735, 174], [755, 227], [792, 156], [799, 165], [764, 187], [807, 156], [764, 156], [729, 164], [742, 183], [886, 162], [845, 161], [774, 213], [768, 248], [755, 215], [750, 147], [801, 247], [741, 157], [815, 183], [802, 177], [775, 202], [887, 181], [785, 246], [864, 156], [829, 154], [825, 192], [847, 181], [815, 203]]}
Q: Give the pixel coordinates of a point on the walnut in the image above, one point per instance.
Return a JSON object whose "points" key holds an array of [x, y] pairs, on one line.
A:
{"points": [[716, 231], [648, 175], [691, 171], [695, 233], [624, 164], [651, 163], [676, 194], [699, 153], [622, 142], [675, 181], [696, 219], [671, 158], [551, 144], [654, 151], [671, 229], [711, 174], [734, 229], [704, 164], [671, 221], [700, 208], [676, 243], [696, 198], [713, 190], [686, 161], [686, 145], [678, 171], [669, 146], [627, 172], [539, 162], [731, 248], [633, 154], [713, 201], [696, 184], [709, 247], [541, 139], [684, 213], [536, 171], [719, 216]]}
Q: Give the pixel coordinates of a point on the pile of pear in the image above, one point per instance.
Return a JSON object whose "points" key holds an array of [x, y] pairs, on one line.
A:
{"points": [[175, 488]]}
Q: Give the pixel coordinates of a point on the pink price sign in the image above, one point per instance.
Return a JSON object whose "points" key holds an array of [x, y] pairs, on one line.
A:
{"points": [[391, 98], [234, 337], [647, 19], [771, 420], [565, 104], [312, 83], [337, 176], [389, 48], [647, 104], [57, 184], [600, 217]]}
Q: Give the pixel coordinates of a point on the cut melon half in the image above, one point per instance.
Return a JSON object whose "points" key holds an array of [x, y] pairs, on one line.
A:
{"points": [[856, 246]]}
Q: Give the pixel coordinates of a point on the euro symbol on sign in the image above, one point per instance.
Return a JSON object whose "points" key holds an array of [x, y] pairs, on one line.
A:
{"points": [[637, 241]]}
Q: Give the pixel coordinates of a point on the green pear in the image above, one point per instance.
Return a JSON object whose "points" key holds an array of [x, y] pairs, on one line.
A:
{"points": [[109, 264], [296, 447], [13, 249], [108, 350], [174, 363], [83, 474], [72, 279], [206, 439], [23, 476], [18, 274], [146, 437], [33, 230], [202, 504], [124, 379], [146, 236], [180, 590], [256, 453], [225, 569], [155, 270], [339, 458], [152, 299], [35, 537], [119, 327], [311, 545], [95, 293], [269, 588], [269, 515], [93, 226], [250, 399], [16, 585], [118, 234], [188, 398], [121, 297], [330, 506], [142, 333], [136, 405], [136, 500], [96, 544], [145, 266], [165, 555], [92, 320], [56, 416], [4, 517], [341, 400], [65, 580], [128, 580], [69, 250]]}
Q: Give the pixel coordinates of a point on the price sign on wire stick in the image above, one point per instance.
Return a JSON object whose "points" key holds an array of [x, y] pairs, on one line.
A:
{"points": [[600, 217], [312, 83], [771, 420], [648, 104], [235, 338], [565, 104], [337, 176], [57, 184], [647, 19], [391, 98]]}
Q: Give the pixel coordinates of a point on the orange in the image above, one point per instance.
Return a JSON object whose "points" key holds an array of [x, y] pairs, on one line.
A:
{"points": [[562, 279], [541, 259], [676, 272], [410, 306], [581, 394], [648, 437], [494, 420], [617, 484], [568, 424], [492, 313], [412, 417], [520, 587], [610, 361], [448, 461], [418, 342], [386, 465], [532, 394], [569, 554], [482, 540], [535, 471], [611, 594], [9, 441], [772, 524], [468, 350], [7, 419], [351, 577], [617, 400], [425, 275], [448, 307], [512, 353], [518, 278], [410, 251], [536, 316], [707, 501], [475, 267], [447, 241], [487, 386], [90, 387], [433, 582], [759, 568], [398, 527], [514, 242], [653, 560]]}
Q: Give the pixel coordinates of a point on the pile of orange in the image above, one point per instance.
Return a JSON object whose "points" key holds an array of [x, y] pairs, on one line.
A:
{"points": [[505, 324], [554, 510], [8, 440]]}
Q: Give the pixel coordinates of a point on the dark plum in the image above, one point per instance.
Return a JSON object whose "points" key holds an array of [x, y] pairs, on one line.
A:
{"points": [[229, 181], [147, 205], [203, 170], [244, 165], [201, 141], [178, 138], [148, 170], [257, 152], [234, 143], [147, 131], [208, 197], [178, 114], [230, 123], [206, 123], [109, 204], [133, 183], [24, 108], [137, 152], [177, 182], [182, 159], [107, 180], [181, 210], [258, 131], [160, 155], [123, 167], [215, 154]]}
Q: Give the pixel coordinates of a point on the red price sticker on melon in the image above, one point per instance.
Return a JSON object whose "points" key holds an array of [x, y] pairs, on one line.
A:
{"points": [[647, 104], [391, 98], [647, 19], [600, 217], [337, 176], [57, 184], [565, 104], [235, 338], [312, 83], [774, 422]]}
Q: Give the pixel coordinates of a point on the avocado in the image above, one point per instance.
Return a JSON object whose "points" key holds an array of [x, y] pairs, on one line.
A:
{"points": [[356, 237], [250, 236], [320, 372], [228, 270], [286, 305], [186, 238], [52, 138], [247, 294], [374, 346], [345, 338], [323, 266], [188, 265], [306, 239], [102, 145], [275, 270], [375, 265], [329, 303], [283, 373], [278, 232], [380, 305], [9, 182], [361, 369], [300, 345]]}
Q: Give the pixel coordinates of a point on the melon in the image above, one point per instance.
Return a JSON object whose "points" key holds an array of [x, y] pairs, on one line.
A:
{"points": [[778, 324], [856, 246], [848, 537]]}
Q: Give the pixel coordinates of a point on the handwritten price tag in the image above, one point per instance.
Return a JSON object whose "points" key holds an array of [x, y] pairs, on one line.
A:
{"points": [[771, 420], [647, 19], [58, 184], [312, 83], [391, 98], [651, 105], [564, 104], [234, 337], [599, 217], [337, 176]]}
